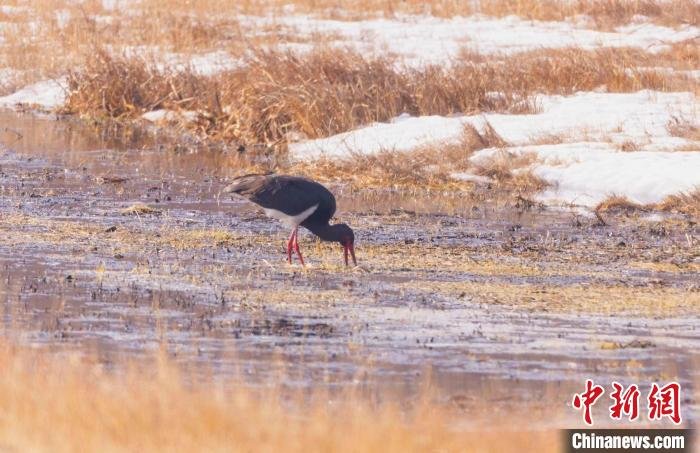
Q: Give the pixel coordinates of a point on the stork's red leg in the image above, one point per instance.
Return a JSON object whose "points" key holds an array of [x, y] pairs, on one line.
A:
{"points": [[290, 244], [296, 247]]}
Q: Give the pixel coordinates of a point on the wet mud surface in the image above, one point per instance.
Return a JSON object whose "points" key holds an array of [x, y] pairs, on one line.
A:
{"points": [[492, 303]]}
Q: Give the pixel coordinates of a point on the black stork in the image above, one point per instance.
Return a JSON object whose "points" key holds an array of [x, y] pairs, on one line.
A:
{"points": [[296, 201]]}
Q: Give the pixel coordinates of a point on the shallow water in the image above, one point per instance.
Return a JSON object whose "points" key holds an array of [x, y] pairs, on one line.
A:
{"points": [[77, 274]]}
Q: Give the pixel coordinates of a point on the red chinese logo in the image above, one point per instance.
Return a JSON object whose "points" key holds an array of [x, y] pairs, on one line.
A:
{"points": [[665, 402], [587, 399]]}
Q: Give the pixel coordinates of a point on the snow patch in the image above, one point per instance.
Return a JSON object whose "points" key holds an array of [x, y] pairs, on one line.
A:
{"points": [[164, 115], [641, 116], [587, 167], [585, 174], [48, 95], [402, 134], [212, 63], [427, 39]]}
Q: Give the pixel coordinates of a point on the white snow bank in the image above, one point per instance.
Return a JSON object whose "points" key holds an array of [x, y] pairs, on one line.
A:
{"points": [[597, 115], [585, 174], [402, 134], [640, 117], [427, 39], [47, 95], [585, 169]]}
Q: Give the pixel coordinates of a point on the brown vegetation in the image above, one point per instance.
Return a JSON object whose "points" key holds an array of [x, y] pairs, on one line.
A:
{"points": [[683, 203], [616, 203], [43, 39], [685, 128], [686, 203], [428, 167], [53, 404], [277, 95]]}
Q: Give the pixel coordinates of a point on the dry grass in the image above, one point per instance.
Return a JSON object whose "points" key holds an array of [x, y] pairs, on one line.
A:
{"points": [[628, 146], [428, 167], [683, 203], [431, 168], [567, 70], [512, 172], [687, 203], [280, 96], [50, 36], [618, 204], [685, 128], [139, 209], [54, 404], [43, 39]]}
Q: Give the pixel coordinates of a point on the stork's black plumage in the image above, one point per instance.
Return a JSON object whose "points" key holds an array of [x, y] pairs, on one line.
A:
{"points": [[296, 201]]}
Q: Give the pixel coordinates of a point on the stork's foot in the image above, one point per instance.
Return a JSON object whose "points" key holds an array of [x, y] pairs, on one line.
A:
{"points": [[293, 243]]}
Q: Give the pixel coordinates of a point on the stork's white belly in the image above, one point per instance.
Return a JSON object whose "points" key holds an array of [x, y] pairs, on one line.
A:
{"points": [[292, 221]]}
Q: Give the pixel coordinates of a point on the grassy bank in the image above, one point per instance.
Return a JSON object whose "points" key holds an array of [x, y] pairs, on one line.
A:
{"points": [[53, 404]]}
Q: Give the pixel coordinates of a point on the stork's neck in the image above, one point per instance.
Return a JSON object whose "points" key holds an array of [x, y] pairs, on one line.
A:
{"points": [[324, 231]]}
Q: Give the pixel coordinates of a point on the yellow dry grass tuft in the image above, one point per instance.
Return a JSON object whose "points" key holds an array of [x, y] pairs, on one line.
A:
{"points": [[616, 203], [428, 167], [160, 407], [685, 128], [683, 203], [686, 203], [140, 209], [512, 172]]}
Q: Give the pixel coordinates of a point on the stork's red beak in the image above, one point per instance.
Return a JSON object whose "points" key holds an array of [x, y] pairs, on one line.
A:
{"points": [[349, 247]]}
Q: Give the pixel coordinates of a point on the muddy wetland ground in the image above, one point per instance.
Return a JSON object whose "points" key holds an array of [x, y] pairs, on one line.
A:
{"points": [[119, 249]]}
